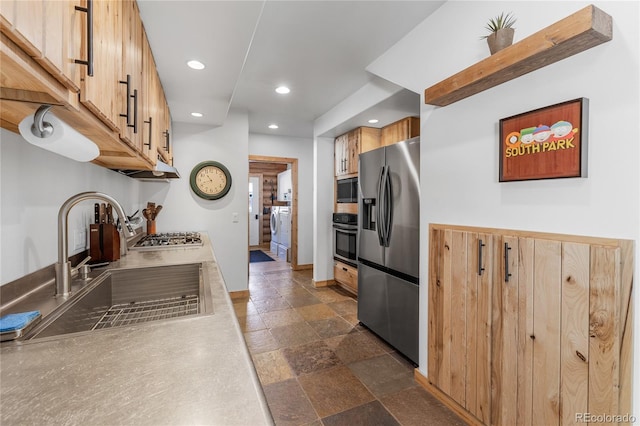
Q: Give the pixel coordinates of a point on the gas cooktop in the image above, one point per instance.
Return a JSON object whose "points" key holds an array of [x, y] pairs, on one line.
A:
{"points": [[168, 240]]}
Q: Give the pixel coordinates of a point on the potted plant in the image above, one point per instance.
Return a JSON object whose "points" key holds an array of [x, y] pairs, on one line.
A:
{"points": [[501, 32]]}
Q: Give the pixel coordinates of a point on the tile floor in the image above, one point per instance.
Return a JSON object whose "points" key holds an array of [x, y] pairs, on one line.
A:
{"points": [[319, 367]]}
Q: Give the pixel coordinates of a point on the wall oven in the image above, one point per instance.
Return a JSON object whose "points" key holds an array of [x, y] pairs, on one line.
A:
{"points": [[345, 238]]}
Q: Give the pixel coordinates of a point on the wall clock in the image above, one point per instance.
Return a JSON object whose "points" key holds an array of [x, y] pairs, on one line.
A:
{"points": [[210, 180]]}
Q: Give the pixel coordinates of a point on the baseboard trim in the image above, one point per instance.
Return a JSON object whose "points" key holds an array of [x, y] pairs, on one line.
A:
{"points": [[446, 400], [303, 267], [241, 294], [326, 283]]}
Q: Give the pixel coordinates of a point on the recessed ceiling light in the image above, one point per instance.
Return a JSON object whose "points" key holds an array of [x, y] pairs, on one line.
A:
{"points": [[197, 114], [283, 90], [373, 121], [273, 126], [196, 65]]}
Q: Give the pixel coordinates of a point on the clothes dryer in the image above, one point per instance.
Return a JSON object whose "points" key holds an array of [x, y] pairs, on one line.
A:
{"points": [[275, 224]]}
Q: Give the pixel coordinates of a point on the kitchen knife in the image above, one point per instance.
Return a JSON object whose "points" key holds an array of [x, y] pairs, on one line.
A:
{"points": [[103, 212], [96, 213], [109, 214]]}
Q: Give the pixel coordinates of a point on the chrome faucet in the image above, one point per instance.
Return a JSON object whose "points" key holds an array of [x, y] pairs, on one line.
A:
{"points": [[63, 267]]}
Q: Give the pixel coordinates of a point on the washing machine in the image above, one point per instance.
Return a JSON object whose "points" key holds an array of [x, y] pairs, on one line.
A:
{"points": [[275, 224]]}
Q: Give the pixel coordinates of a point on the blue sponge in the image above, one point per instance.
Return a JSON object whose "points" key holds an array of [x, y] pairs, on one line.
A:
{"points": [[13, 322]]}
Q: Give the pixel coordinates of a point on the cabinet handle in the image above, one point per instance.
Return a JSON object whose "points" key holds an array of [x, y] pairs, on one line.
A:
{"points": [[150, 123], [135, 112], [166, 140], [127, 83], [480, 268], [89, 62], [506, 262]]}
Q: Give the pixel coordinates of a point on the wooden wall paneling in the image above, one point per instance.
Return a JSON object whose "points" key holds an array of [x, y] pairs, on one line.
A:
{"points": [[471, 304], [458, 245], [485, 291], [574, 369], [604, 330], [525, 331], [445, 282], [504, 383], [435, 303], [626, 327], [546, 348]]}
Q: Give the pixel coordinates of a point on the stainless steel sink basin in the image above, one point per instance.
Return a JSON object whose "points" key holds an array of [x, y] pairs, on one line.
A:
{"points": [[122, 297]]}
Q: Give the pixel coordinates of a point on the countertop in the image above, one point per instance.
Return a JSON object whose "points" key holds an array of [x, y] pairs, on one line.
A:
{"points": [[185, 371]]}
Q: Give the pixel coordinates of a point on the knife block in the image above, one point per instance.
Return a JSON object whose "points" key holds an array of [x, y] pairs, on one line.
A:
{"points": [[104, 240]]}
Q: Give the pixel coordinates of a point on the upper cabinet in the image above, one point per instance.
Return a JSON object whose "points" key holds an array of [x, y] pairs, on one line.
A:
{"points": [[92, 61], [350, 145], [408, 127]]}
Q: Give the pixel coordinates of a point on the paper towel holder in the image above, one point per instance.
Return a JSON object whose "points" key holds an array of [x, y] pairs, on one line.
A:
{"points": [[41, 128], [57, 136]]}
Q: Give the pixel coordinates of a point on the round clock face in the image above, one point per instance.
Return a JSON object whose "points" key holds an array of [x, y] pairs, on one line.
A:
{"points": [[210, 180]]}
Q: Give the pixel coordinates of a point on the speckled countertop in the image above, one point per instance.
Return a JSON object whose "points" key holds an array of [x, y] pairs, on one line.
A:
{"points": [[188, 371]]}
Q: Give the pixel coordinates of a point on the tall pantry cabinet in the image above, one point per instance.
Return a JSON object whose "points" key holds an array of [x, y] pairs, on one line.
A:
{"points": [[530, 328]]}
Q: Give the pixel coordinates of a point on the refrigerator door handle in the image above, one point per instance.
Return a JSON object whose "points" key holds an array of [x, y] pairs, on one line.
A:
{"points": [[388, 199], [380, 209]]}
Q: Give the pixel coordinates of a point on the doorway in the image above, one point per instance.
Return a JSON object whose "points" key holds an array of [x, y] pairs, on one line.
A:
{"points": [[263, 169]]}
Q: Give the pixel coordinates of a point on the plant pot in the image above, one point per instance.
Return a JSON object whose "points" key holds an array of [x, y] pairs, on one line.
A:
{"points": [[500, 39]]}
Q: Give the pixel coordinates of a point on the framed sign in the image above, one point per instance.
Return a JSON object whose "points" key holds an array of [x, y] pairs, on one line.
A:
{"points": [[545, 143]]}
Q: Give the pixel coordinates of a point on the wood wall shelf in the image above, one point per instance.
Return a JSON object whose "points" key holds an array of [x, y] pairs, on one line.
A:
{"points": [[576, 33]]}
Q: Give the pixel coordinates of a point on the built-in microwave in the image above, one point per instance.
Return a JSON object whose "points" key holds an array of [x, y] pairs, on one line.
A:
{"points": [[347, 191]]}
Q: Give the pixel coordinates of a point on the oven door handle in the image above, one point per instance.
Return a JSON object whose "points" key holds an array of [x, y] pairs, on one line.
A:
{"points": [[346, 229]]}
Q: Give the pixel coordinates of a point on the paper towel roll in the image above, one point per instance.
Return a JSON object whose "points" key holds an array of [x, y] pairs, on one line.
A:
{"points": [[64, 141]]}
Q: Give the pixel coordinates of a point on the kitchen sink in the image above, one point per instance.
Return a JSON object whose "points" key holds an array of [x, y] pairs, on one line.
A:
{"points": [[123, 297]]}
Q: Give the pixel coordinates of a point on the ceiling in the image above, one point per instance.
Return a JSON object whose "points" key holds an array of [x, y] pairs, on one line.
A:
{"points": [[319, 49]]}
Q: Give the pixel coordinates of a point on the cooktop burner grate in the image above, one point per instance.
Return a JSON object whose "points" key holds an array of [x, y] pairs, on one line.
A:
{"points": [[137, 312], [169, 240]]}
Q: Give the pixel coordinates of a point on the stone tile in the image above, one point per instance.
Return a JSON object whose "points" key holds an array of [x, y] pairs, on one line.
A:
{"points": [[331, 327], [294, 290], [310, 357], [353, 320], [297, 300], [294, 334], [251, 323], [316, 312], [264, 293], [412, 406], [268, 305], [354, 347], [329, 295], [260, 341], [383, 375], [334, 390], [281, 318], [272, 367], [244, 308], [288, 404], [379, 341], [345, 307], [370, 414]]}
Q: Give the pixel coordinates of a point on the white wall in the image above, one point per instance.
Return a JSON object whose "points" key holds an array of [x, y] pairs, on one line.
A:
{"points": [[184, 211], [323, 209], [459, 152], [34, 184], [302, 149]]}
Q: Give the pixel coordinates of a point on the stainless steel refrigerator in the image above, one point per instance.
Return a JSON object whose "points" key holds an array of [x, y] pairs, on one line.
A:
{"points": [[389, 244]]}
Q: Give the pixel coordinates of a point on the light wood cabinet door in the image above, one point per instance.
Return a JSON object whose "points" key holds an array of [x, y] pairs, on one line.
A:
{"points": [[400, 130], [99, 93], [27, 29], [462, 273], [340, 155], [352, 151], [131, 90]]}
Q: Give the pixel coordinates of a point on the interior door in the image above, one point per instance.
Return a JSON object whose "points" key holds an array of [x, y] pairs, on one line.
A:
{"points": [[255, 216]]}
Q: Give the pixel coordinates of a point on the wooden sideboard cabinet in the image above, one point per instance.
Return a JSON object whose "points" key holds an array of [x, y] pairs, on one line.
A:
{"points": [[529, 328]]}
